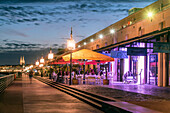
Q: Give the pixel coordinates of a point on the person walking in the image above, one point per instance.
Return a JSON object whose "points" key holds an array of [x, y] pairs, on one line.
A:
{"points": [[30, 76]]}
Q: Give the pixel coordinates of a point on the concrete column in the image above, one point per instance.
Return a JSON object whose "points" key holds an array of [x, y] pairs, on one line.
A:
{"points": [[165, 69], [145, 67], [166, 65], [160, 69], [145, 70], [163, 66]]}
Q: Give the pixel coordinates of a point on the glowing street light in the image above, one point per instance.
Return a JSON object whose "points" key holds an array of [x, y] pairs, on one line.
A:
{"points": [[85, 43], [91, 40], [100, 36], [150, 14], [31, 66], [112, 31], [42, 60], [37, 63], [79, 46], [70, 46], [50, 55], [71, 42], [41, 65]]}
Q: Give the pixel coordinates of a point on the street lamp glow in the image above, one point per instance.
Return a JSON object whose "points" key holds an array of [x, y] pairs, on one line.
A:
{"points": [[50, 55], [101, 36], [42, 60], [85, 43], [70, 44], [91, 40], [112, 31], [150, 14], [41, 65], [37, 63], [79, 46]]}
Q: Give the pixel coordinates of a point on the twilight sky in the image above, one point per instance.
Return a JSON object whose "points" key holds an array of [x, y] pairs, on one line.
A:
{"points": [[30, 27]]}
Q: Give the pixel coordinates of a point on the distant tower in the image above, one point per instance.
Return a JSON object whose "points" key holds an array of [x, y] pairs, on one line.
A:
{"points": [[22, 60]]}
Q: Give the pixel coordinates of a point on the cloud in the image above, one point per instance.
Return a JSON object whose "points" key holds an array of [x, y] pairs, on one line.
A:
{"points": [[14, 32], [60, 12], [55, 44], [16, 45]]}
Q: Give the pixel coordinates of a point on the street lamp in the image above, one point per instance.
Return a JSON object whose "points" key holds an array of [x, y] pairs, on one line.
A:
{"points": [[41, 65], [42, 60], [150, 15], [70, 46], [37, 63], [50, 55]]}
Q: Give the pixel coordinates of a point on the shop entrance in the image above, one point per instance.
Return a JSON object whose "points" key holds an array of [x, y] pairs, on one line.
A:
{"points": [[120, 70], [153, 69]]}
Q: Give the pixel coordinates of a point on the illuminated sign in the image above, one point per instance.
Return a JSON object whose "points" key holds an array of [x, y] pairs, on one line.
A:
{"points": [[161, 47], [136, 51], [119, 54]]}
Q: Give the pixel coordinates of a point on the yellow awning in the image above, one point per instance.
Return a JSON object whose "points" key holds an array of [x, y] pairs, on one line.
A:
{"points": [[87, 54]]}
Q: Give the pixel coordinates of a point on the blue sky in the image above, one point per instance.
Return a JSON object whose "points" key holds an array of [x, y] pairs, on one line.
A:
{"points": [[29, 26]]}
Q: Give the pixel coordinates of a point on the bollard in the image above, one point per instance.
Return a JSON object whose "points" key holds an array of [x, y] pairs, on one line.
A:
{"points": [[14, 76]]}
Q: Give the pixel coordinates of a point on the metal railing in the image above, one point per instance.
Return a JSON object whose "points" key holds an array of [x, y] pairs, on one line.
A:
{"points": [[5, 81]]}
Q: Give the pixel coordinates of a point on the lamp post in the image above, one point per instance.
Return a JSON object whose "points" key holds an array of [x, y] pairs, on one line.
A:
{"points": [[41, 65], [50, 55], [50, 58], [42, 60], [37, 63], [70, 46]]}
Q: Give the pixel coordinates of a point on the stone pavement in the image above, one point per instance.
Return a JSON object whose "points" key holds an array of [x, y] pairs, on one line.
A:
{"points": [[152, 97], [23, 97], [153, 90]]}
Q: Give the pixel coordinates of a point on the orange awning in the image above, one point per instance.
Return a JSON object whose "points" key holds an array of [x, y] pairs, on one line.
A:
{"points": [[87, 54]]}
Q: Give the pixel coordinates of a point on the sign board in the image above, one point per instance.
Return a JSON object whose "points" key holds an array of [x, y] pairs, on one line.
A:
{"points": [[136, 51], [153, 58], [119, 54], [161, 47]]}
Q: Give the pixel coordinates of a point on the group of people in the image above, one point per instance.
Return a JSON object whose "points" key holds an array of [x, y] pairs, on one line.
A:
{"points": [[128, 74], [58, 76]]}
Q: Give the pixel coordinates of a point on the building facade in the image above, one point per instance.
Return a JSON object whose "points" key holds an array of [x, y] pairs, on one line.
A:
{"points": [[139, 43]]}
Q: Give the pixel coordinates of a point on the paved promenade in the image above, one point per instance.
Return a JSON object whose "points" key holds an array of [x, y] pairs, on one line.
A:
{"points": [[152, 97], [23, 97]]}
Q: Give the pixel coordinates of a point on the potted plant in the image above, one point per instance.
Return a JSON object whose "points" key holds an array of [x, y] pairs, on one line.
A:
{"points": [[106, 81], [75, 81], [81, 72]]}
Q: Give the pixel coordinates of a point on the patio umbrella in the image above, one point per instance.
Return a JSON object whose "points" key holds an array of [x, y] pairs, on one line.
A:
{"points": [[87, 54]]}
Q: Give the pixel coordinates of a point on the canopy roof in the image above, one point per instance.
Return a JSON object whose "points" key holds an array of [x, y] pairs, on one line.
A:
{"points": [[74, 61], [87, 54]]}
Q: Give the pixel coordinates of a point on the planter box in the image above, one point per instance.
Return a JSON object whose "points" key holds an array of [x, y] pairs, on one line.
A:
{"points": [[105, 82], [75, 81]]}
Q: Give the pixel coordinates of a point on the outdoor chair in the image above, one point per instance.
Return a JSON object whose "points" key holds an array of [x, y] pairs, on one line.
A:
{"points": [[91, 80], [80, 79], [98, 80]]}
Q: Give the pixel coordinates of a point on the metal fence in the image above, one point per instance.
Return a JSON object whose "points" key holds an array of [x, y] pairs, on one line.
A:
{"points": [[5, 81]]}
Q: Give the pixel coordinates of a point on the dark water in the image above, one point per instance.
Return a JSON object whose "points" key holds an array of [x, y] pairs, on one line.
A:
{"points": [[1, 75], [33, 1]]}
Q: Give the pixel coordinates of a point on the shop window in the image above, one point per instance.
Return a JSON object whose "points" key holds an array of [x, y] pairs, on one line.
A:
{"points": [[153, 69], [161, 25], [105, 43], [97, 46], [140, 31], [127, 36]]}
